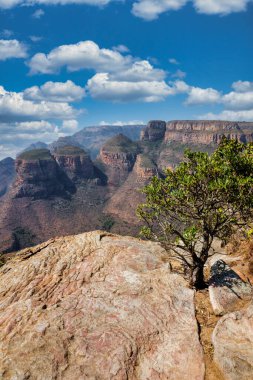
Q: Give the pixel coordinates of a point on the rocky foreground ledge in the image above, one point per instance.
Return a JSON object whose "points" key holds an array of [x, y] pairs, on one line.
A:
{"points": [[96, 306], [101, 306]]}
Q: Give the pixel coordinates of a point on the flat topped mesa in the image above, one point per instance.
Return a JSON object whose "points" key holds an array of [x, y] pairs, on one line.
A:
{"points": [[39, 176], [120, 144], [75, 162]]}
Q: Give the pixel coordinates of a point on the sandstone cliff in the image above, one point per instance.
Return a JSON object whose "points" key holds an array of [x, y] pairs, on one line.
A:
{"points": [[96, 306], [118, 156], [7, 174], [207, 132], [154, 131], [39, 176], [75, 162]]}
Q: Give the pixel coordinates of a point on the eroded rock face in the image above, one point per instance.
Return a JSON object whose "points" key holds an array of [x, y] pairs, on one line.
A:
{"points": [[118, 157], [154, 131], [207, 132], [7, 174], [233, 345], [96, 306], [40, 177], [228, 292], [75, 162]]}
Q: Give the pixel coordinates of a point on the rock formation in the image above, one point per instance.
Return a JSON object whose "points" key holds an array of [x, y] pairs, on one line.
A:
{"points": [[233, 345], [228, 292], [154, 131], [75, 162], [118, 157], [96, 306], [39, 176], [207, 132], [7, 174]]}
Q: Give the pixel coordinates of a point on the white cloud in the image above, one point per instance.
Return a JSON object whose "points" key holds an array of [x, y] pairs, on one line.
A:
{"points": [[203, 96], [139, 71], [16, 136], [242, 86], [151, 9], [121, 49], [102, 86], [5, 4], [12, 49], [229, 115], [120, 123], [13, 107], [55, 92], [83, 55], [38, 14], [238, 100], [222, 7]]}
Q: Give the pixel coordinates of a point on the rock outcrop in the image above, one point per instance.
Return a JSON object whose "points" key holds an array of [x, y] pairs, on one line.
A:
{"points": [[39, 176], [145, 167], [154, 131], [118, 157], [7, 174], [75, 162], [228, 292], [96, 306], [233, 345], [207, 132]]}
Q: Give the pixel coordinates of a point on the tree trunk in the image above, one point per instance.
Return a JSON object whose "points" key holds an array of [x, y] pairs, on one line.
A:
{"points": [[197, 277]]}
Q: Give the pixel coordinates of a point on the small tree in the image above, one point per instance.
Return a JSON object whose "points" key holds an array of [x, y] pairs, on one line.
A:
{"points": [[204, 198]]}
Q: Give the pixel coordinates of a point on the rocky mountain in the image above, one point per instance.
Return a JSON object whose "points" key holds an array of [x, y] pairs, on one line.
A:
{"points": [[93, 138], [65, 191]]}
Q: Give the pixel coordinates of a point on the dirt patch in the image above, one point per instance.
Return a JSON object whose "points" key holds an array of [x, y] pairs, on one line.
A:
{"points": [[207, 322]]}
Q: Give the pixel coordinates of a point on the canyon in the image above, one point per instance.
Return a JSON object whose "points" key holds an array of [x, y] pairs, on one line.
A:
{"points": [[61, 188]]}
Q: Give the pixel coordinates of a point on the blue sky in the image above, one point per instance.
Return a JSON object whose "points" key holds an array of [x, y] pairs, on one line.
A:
{"points": [[67, 65]]}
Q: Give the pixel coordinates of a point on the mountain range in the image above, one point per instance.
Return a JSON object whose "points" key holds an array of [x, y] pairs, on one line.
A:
{"points": [[92, 180]]}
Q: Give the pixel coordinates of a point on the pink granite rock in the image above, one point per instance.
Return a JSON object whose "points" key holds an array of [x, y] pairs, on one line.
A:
{"points": [[96, 306]]}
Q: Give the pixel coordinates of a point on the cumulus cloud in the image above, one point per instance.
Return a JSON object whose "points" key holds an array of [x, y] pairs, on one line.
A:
{"points": [[12, 49], [151, 9], [229, 115], [16, 136], [102, 86], [55, 92], [118, 77], [6, 4], [14, 107], [203, 96], [83, 55]]}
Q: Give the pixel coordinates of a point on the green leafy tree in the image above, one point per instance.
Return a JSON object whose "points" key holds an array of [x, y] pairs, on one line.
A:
{"points": [[204, 198]]}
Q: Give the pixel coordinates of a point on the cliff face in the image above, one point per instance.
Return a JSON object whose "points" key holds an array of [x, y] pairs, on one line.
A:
{"points": [[154, 131], [7, 174], [207, 132], [118, 157], [75, 162], [39, 176]]}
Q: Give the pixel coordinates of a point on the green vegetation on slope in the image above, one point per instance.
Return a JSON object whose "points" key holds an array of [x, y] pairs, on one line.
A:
{"points": [[36, 154], [121, 144], [70, 150]]}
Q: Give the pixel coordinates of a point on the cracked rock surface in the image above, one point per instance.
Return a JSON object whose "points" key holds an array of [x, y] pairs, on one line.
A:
{"points": [[96, 306], [233, 345]]}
